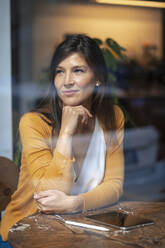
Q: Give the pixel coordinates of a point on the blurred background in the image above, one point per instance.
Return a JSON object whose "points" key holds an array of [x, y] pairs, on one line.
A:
{"points": [[30, 30]]}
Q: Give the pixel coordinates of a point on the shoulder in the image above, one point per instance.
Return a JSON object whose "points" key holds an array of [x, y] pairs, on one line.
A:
{"points": [[30, 117], [119, 116], [118, 111], [33, 119]]}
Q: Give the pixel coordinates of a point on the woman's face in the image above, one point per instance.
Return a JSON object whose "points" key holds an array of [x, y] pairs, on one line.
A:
{"points": [[74, 81]]}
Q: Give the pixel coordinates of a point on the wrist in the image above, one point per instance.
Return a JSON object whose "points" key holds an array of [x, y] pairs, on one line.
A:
{"points": [[64, 145], [77, 203], [64, 135]]}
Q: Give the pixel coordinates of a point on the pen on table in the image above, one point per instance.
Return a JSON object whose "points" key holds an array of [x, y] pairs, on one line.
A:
{"points": [[78, 224]]}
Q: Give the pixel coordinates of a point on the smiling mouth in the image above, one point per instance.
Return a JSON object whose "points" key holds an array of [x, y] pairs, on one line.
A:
{"points": [[69, 92]]}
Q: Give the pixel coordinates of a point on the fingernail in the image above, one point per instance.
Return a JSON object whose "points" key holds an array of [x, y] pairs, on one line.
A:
{"points": [[35, 195]]}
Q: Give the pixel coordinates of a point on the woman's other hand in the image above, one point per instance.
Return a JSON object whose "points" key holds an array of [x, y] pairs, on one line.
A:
{"points": [[55, 201], [71, 117]]}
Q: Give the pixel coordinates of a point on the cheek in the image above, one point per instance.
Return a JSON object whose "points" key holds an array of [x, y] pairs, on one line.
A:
{"points": [[57, 87], [86, 82], [89, 87], [56, 84], [88, 90]]}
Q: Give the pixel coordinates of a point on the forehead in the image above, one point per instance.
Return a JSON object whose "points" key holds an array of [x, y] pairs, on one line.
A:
{"points": [[74, 59]]}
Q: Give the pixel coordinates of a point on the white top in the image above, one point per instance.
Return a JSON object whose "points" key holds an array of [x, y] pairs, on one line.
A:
{"points": [[92, 170]]}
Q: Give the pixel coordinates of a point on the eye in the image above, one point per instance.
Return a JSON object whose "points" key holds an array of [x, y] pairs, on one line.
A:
{"points": [[78, 70], [59, 71]]}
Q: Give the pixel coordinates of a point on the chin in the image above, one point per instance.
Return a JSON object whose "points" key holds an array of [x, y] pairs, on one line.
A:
{"points": [[70, 101]]}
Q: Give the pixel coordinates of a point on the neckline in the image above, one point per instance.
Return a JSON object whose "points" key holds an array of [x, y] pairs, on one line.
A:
{"points": [[80, 169]]}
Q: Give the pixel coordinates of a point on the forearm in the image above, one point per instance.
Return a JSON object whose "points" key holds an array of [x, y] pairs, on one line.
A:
{"points": [[57, 174], [103, 195], [64, 145]]}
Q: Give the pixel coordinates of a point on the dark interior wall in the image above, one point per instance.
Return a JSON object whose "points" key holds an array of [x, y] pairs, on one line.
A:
{"points": [[22, 64], [163, 34]]}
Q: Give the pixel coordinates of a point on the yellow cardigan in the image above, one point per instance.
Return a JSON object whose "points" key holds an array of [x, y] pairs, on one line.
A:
{"points": [[43, 169]]}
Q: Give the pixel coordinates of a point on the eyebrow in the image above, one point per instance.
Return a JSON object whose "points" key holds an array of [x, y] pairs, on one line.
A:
{"points": [[59, 67], [76, 66]]}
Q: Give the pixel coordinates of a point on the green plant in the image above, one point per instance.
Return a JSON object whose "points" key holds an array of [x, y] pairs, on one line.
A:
{"points": [[113, 53]]}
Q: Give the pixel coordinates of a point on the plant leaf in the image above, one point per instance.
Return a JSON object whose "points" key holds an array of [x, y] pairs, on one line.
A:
{"points": [[115, 47], [98, 41]]}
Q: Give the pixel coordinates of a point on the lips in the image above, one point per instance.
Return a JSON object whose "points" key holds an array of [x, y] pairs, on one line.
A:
{"points": [[69, 92]]}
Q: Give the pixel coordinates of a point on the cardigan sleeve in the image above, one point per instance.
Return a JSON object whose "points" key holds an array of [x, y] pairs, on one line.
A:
{"points": [[109, 191], [47, 169]]}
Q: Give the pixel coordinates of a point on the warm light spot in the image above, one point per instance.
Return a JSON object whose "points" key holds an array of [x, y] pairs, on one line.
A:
{"points": [[153, 4]]}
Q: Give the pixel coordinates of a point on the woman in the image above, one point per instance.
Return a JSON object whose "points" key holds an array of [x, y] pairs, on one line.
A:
{"points": [[72, 157]]}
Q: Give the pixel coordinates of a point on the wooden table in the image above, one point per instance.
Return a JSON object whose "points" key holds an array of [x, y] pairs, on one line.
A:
{"points": [[43, 231]]}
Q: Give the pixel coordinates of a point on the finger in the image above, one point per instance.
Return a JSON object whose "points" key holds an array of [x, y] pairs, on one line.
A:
{"points": [[37, 196], [39, 207], [84, 119], [43, 201], [86, 111], [42, 194], [44, 209], [83, 114], [47, 201]]}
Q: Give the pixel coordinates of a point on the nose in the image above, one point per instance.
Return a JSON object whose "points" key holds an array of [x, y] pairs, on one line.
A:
{"points": [[68, 80]]}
